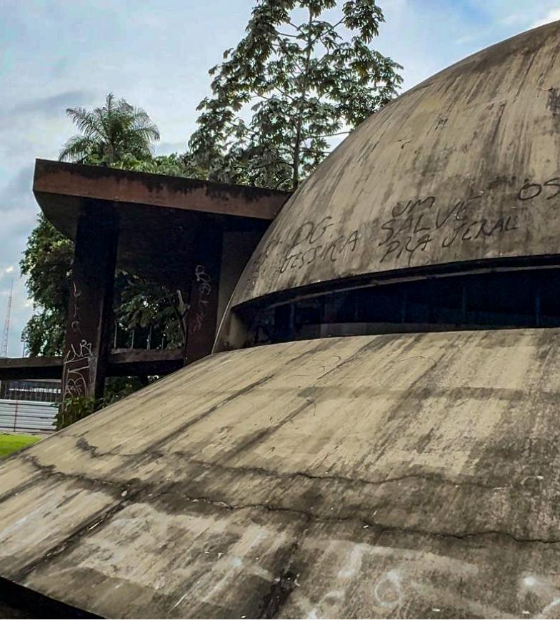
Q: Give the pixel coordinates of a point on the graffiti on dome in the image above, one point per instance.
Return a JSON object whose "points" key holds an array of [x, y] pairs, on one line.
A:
{"points": [[413, 226], [424, 222]]}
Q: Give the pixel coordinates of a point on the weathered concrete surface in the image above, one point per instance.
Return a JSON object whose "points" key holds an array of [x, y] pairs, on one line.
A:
{"points": [[160, 217], [54, 179], [463, 167], [379, 476]]}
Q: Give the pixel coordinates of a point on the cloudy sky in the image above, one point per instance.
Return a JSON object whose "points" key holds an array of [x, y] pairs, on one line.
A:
{"points": [[56, 54]]}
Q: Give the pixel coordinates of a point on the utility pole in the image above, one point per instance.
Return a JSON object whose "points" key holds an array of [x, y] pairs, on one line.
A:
{"points": [[4, 352]]}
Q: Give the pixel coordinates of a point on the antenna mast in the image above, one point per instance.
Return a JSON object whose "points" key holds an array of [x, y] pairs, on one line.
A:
{"points": [[4, 352]]}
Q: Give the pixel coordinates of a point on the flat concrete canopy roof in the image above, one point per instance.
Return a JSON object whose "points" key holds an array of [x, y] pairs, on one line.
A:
{"points": [[159, 216], [122, 363]]}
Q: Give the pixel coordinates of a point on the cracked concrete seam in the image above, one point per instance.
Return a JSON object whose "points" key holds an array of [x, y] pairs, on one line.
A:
{"points": [[82, 444], [136, 490], [378, 528]]}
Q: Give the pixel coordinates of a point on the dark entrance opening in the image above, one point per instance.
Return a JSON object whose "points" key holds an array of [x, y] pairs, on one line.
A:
{"points": [[495, 300]]}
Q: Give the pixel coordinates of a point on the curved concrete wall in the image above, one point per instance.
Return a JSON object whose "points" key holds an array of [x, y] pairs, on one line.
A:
{"points": [[405, 476], [463, 167]]}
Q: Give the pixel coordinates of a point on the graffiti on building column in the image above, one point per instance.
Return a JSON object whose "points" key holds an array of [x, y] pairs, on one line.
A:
{"points": [[76, 367], [75, 375], [204, 286]]}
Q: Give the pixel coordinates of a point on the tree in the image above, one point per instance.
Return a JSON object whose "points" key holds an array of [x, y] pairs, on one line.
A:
{"points": [[173, 165], [110, 133], [47, 263], [153, 312], [302, 80], [121, 136]]}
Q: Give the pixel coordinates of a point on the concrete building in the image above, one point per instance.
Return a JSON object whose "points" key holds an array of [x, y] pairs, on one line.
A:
{"points": [[376, 434], [192, 237]]}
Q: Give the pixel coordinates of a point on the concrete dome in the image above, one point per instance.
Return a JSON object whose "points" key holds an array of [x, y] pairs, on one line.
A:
{"points": [[411, 475], [462, 168]]}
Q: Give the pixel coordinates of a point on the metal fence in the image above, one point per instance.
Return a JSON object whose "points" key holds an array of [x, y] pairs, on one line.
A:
{"points": [[47, 391], [24, 416]]}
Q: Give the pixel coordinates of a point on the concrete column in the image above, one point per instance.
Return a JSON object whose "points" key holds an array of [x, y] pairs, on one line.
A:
{"points": [[88, 328], [204, 297]]}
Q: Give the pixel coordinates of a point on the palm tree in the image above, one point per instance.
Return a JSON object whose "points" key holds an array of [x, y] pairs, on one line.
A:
{"points": [[109, 133]]}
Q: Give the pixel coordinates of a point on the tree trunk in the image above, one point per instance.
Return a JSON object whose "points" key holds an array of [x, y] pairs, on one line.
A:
{"points": [[299, 124]]}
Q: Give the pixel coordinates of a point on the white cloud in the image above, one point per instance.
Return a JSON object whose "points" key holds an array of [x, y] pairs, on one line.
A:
{"points": [[552, 16], [515, 18], [157, 57]]}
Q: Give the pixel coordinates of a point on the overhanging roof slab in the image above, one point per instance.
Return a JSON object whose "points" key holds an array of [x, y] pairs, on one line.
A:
{"points": [[159, 215]]}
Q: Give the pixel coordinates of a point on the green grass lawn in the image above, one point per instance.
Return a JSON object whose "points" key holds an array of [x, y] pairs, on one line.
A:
{"points": [[12, 443]]}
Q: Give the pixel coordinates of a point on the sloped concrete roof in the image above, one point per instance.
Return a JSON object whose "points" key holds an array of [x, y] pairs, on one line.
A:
{"points": [[379, 476], [462, 168]]}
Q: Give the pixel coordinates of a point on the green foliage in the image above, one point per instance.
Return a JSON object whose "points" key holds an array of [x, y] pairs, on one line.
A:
{"points": [[119, 135], [301, 80], [73, 409], [173, 165], [117, 388], [109, 133], [139, 304], [47, 263], [144, 305], [76, 408]]}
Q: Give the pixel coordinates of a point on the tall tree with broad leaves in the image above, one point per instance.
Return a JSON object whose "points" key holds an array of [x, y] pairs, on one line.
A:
{"points": [[47, 264], [110, 133], [118, 135], [304, 73]]}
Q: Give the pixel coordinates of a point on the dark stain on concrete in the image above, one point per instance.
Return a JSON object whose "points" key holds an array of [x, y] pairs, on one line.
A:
{"points": [[553, 102], [280, 590], [157, 182]]}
